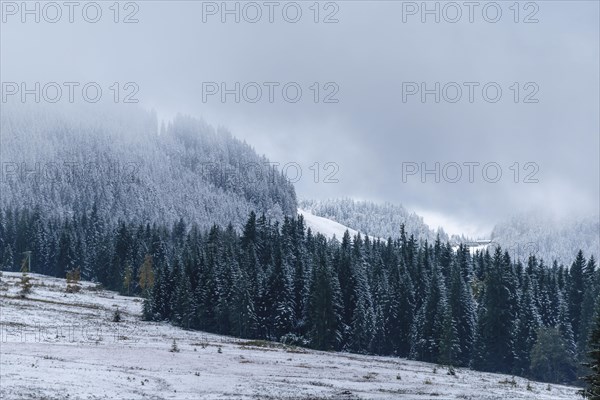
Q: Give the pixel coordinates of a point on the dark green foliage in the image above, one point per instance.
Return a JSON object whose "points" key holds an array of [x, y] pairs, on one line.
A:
{"points": [[592, 391], [576, 292], [116, 316], [174, 348], [494, 341], [551, 360], [429, 328], [325, 305], [588, 306], [527, 325], [281, 282], [461, 314]]}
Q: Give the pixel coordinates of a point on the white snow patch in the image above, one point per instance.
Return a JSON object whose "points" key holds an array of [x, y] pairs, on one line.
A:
{"points": [[57, 345], [326, 226]]}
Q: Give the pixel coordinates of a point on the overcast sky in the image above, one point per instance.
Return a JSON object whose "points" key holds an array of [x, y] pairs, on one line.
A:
{"points": [[372, 134]]}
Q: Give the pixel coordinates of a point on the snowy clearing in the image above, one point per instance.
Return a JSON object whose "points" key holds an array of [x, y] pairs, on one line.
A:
{"points": [[325, 226], [58, 345]]}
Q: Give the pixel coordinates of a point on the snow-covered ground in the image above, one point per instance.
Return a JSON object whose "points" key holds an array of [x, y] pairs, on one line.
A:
{"points": [[480, 245], [57, 345], [325, 226]]}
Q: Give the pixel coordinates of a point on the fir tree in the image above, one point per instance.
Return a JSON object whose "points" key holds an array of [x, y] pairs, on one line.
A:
{"points": [[564, 326], [527, 325], [362, 327], [243, 317], [401, 311], [116, 315], [450, 346], [550, 359], [576, 292], [429, 327], [588, 311], [344, 267], [592, 391], [462, 311], [493, 344], [25, 283], [325, 307]]}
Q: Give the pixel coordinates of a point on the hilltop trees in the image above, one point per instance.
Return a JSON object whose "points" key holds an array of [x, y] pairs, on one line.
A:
{"points": [[119, 164]]}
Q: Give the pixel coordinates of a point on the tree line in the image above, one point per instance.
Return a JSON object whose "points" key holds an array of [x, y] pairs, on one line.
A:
{"points": [[280, 281]]}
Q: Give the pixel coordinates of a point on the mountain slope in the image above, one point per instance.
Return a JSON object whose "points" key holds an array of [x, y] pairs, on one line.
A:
{"points": [[67, 162], [324, 226], [55, 343], [379, 220], [328, 227], [548, 237]]}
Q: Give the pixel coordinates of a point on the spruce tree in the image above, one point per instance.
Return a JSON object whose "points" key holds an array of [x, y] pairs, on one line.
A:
{"points": [[462, 310], [592, 391], [182, 308], [591, 293], [565, 329], [430, 323], [279, 293], [550, 359], [152, 309], [588, 310], [494, 343], [450, 346], [325, 307], [362, 327], [527, 324], [401, 310], [347, 279], [576, 292], [243, 317]]}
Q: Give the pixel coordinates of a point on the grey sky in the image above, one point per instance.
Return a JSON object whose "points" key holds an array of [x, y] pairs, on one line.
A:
{"points": [[371, 132]]}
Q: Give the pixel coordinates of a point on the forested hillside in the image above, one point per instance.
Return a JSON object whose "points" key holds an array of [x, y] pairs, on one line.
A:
{"points": [[534, 233], [548, 237], [378, 220], [206, 230], [278, 281], [124, 165]]}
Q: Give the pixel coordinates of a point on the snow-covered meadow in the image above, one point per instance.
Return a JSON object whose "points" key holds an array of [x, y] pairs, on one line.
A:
{"points": [[58, 345]]}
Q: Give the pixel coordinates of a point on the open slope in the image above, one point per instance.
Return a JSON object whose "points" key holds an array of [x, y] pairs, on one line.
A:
{"points": [[325, 226], [58, 345], [378, 220]]}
